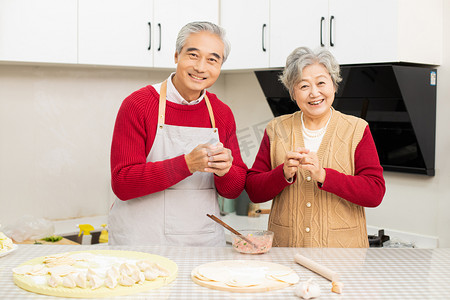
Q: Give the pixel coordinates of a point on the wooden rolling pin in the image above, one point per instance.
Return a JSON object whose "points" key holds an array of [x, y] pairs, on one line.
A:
{"points": [[318, 268]]}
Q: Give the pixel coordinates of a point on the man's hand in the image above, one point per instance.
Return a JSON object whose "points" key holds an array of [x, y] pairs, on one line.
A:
{"points": [[209, 158], [220, 160], [197, 159]]}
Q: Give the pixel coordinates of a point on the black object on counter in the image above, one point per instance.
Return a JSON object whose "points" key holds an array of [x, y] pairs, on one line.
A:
{"points": [[377, 241]]}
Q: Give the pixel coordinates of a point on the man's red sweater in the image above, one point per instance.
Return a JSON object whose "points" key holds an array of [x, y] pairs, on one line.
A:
{"points": [[134, 132], [366, 188]]}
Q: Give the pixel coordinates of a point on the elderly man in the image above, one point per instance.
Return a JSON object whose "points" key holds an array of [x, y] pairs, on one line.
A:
{"points": [[174, 148]]}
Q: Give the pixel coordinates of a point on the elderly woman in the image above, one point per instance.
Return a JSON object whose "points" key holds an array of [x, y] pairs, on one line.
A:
{"points": [[319, 166]]}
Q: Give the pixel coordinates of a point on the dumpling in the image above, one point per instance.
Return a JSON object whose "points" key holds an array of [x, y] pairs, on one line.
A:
{"points": [[126, 280], [54, 280], [95, 282], [144, 264], [80, 280], [128, 269], [150, 274], [90, 273], [308, 289], [69, 281], [111, 281], [162, 271], [113, 272]]}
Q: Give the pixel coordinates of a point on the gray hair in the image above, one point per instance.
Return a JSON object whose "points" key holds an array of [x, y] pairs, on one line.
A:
{"points": [[196, 27], [302, 57]]}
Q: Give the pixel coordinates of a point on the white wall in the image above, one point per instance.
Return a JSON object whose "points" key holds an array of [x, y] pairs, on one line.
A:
{"points": [[56, 124]]}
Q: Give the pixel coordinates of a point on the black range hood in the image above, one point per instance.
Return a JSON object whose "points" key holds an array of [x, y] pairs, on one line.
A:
{"points": [[398, 102]]}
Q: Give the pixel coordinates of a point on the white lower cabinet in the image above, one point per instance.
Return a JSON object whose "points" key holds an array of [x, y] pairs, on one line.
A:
{"points": [[43, 31]]}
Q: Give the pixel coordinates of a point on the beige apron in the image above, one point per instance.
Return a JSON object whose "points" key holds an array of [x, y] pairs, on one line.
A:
{"points": [[177, 215]]}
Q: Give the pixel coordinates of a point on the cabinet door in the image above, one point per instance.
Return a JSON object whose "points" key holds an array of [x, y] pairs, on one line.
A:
{"points": [[247, 26], [170, 16], [363, 31], [296, 23], [38, 31], [115, 32]]}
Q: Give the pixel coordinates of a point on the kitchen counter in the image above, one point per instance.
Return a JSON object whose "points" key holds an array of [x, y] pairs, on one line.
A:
{"points": [[373, 273]]}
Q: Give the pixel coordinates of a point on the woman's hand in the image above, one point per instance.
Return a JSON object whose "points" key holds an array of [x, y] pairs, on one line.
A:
{"points": [[292, 162], [310, 162]]}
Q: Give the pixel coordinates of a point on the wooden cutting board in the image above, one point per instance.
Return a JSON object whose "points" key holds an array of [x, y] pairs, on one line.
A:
{"points": [[251, 266]]}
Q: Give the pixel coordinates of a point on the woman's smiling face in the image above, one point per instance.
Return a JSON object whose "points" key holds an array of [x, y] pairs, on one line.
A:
{"points": [[314, 94]]}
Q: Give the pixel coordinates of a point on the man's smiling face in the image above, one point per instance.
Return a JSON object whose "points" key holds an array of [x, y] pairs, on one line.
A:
{"points": [[198, 64]]}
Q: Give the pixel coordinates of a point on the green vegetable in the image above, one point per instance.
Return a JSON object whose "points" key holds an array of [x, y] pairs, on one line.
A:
{"points": [[37, 243], [53, 238]]}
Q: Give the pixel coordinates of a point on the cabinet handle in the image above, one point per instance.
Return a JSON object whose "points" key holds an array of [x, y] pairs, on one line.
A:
{"points": [[321, 31], [263, 38], [331, 31], [150, 35], [159, 26]]}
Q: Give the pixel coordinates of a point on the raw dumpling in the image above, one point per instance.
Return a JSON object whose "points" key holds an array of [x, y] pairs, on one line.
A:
{"points": [[113, 272], [111, 281], [90, 273], [80, 280], [150, 274], [69, 281], [308, 289], [54, 280], [95, 282], [126, 280]]}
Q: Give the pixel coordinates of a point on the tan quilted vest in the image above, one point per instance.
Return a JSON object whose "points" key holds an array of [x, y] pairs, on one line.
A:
{"points": [[302, 215]]}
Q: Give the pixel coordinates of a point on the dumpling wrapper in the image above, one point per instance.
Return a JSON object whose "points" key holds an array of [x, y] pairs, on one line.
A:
{"points": [[62, 270], [38, 269], [244, 281], [214, 274], [291, 278], [83, 256]]}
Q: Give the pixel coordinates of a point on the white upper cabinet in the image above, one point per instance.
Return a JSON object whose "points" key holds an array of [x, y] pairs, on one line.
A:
{"points": [[359, 31], [38, 31], [115, 32], [295, 24], [247, 26], [170, 16], [386, 31]]}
